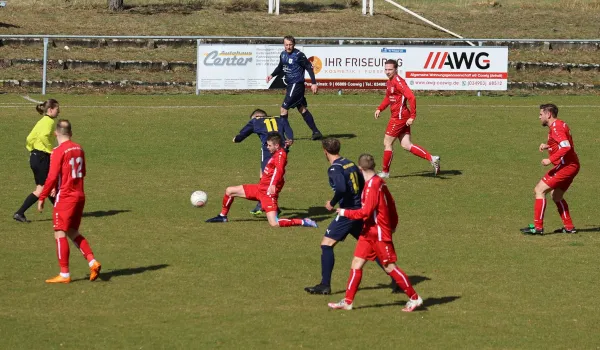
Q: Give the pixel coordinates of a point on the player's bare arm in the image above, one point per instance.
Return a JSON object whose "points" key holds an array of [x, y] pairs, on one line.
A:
{"points": [[314, 88], [269, 77], [546, 162], [328, 206], [410, 121], [543, 147], [40, 207], [377, 112]]}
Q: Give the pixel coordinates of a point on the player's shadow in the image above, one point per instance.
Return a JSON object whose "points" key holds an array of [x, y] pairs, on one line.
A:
{"points": [[579, 230], [317, 214], [337, 136], [414, 280], [426, 303], [103, 213], [98, 214], [443, 174], [106, 276]]}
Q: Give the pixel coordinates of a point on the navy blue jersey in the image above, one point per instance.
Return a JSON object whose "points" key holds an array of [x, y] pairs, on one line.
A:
{"points": [[263, 126], [347, 183], [293, 65]]}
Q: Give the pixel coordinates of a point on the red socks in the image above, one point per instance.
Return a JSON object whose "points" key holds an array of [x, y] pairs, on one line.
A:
{"points": [[227, 201], [62, 252], [401, 279], [290, 222], [387, 161], [538, 213], [353, 283], [420, 152], [563, 211], [84, 247]]}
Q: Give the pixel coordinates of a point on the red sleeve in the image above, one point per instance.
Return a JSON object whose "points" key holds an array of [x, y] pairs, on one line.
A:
{"points": [[52, 179], [280, 163], [385, 102], [559, 134], [410, 96], [369, 206]]}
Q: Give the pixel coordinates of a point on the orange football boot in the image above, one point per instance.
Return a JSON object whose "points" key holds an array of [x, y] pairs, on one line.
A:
{"points": [[95, 270], [59, 279]]}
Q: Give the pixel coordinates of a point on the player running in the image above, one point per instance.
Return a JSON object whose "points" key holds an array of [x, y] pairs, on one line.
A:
{"points": [[397, 95], [293, 63], [380, 220]]}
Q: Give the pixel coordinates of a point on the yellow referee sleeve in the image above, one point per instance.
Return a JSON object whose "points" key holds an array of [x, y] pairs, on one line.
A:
{"points": [[42, 136]]}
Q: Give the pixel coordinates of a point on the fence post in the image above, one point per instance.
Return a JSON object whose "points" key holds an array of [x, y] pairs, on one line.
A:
{"points": [[44, 70], [198, 65], [479, 43]]}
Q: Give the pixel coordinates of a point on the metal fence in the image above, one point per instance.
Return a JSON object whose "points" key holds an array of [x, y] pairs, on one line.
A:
{"points": [[306, 41]]}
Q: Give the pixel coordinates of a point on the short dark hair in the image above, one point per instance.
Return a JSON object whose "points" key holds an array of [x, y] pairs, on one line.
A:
{"points": [[274, 137], [332, 145], [391, 61], [366, 161], [258, 112], [550, 108], [63, 127], [290, 38]]}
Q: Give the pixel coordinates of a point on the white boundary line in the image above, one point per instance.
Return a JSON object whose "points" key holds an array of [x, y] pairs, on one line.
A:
{"points": [[24, 105], [30, 99]]}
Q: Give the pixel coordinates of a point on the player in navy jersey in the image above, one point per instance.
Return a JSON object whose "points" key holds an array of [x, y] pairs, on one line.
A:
{"points": [[293, 64], [347, 183], [261, 124]]}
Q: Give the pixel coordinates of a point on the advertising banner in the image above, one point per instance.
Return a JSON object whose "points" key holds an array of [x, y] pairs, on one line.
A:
{"points": [[223, 67]]}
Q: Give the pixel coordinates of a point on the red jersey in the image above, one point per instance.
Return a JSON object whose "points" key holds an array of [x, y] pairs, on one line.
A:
{"points": [[67, 169], [397, 94], [274, 171], [378, 210], [560, 144]]}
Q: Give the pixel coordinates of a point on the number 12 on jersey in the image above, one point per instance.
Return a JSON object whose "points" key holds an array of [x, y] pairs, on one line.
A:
{"points": [[76, 167]]}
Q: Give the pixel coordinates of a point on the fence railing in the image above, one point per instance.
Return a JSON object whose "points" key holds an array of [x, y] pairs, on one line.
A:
{"points": [[304, 40]]}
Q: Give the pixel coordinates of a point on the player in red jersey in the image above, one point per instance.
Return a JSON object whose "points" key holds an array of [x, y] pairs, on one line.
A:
{"points": [[378, 211], [397, 95], [67, 170], [562, 155], [267, 190]]}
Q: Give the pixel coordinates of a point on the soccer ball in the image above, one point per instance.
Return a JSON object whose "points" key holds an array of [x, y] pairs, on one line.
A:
{"points": [[198, 198]]}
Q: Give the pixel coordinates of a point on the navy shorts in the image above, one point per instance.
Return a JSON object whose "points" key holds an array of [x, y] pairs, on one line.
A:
{"points": [[294, 96], [341, 227]]}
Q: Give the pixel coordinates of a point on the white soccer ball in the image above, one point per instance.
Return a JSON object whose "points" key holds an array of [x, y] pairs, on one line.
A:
{"points": [[66, 48], [198, 198]]}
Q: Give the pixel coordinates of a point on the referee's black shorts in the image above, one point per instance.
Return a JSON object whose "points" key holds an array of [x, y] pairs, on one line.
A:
{"points": [[39, 162]]}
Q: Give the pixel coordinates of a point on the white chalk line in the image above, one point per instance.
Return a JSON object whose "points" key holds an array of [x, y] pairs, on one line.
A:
{"points": [[30, 99]]}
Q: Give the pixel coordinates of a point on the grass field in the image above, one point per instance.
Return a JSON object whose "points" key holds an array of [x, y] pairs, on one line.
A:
{"points": [[172, 281]]}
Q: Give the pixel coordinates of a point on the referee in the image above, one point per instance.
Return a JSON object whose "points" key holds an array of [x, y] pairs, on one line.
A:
{"points": [[40, 142]]}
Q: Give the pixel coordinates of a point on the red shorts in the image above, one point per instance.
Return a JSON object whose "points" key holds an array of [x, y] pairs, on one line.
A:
{"points": [[561, 176], [268, 202], [67, 215], [369, 249], [397, 127]]}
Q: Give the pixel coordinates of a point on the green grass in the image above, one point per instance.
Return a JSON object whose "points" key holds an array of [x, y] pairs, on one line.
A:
{"points": [[172, 281]]}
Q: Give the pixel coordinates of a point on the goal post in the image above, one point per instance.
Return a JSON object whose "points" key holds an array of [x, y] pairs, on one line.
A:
{"points": [[364, 7], [274, 6]]}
